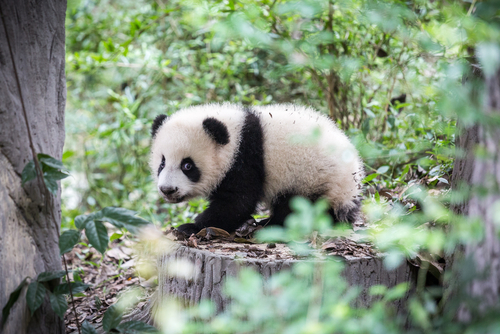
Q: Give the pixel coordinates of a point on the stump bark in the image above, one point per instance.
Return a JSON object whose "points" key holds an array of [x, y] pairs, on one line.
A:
{"points": [[212, 267]]}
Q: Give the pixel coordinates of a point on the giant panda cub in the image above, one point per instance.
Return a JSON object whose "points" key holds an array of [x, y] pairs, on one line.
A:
{"points": [[238, 156]]}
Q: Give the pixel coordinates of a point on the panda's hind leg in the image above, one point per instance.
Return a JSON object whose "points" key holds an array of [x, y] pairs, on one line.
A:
{"points": [[347, 214], [280, 209]]}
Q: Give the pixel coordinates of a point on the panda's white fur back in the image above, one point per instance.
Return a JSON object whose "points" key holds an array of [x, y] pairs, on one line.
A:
{"points": [[299, 161]]}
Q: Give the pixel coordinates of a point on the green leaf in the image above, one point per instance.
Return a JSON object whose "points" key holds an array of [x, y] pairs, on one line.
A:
{"points": [[136, 327], [76, 287], [115, 236], [97, 234], [397, 292], [51, 185], [121, 217], [76, 277], [418, 313], [14, 296], [59, 304], [68, 240], [300, 204], [271, 234], [369, 113], [489, 56], [68, 154], [54, 175], [81, 221], [50, 275], [49, 161], [377, 290], [401, 105], [35, 295], [29, 172], [392, 122], [382, 169], [370, 177], [112, 318], [366, 127], [51, 172], [443, 180], [404, 172], [87, 328]]}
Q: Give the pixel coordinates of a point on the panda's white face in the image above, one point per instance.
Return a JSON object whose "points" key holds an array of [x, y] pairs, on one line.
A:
{"points": [[186, 160], [181, 157]]}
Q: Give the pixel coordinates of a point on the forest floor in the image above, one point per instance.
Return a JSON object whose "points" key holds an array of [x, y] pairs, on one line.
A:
{"points": [[109, 276], [113, 274]]}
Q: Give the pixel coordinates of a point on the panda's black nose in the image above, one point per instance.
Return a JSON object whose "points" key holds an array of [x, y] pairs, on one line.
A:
{"points": [[168, 191]]}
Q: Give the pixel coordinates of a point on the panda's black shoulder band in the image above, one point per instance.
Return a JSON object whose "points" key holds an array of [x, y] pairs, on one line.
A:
{"points": [[217, 130], [157, 123]]}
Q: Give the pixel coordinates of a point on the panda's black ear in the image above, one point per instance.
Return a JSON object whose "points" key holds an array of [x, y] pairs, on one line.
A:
{"points": [[217, 130], [157, 123]]}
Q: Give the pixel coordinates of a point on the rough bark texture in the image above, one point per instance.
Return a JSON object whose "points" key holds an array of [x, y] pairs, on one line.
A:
{"points": [[31, 44], [211, 269], [483, 172], [467, 140]]}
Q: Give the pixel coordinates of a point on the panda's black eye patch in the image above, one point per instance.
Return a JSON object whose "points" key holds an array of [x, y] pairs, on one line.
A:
{"points": [[162, 164], [190, 169]]}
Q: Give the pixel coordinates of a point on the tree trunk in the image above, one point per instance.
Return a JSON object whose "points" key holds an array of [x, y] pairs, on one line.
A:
{"points": [[483, 172], [32, 100]]}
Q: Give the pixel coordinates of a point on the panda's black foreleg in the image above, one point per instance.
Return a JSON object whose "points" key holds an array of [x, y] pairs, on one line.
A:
{"points": [[189, 229], [226, 214], [235, 199], [229, 207]]}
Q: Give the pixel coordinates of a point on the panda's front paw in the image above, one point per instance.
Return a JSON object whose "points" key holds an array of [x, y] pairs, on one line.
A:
{"points": [[189, 229]]}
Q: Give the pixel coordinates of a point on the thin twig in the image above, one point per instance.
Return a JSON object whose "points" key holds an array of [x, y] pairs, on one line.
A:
{"points": [[317, 78], [379, 45], [471, 8], [71, 293], [392, 155]]}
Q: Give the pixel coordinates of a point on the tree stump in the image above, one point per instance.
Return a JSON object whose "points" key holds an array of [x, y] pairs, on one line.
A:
{"points": [[213, 263]]}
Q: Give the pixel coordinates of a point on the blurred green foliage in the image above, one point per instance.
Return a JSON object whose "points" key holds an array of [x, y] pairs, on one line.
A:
{"points": [[128, 61]]}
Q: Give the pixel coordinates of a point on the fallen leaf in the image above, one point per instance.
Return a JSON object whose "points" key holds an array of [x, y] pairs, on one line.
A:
{"points": [[117, 254]]}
